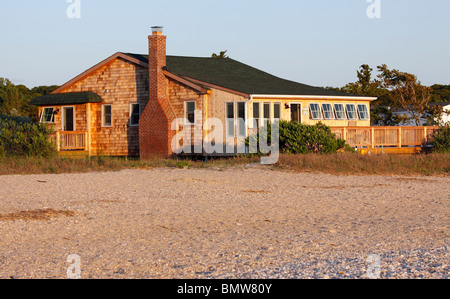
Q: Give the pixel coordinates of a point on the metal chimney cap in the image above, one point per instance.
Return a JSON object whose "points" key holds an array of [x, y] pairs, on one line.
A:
{"points": [[157, 29]]}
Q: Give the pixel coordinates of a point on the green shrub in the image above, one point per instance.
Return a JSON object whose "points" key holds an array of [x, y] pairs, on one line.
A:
{"points": [[183, 164], [22, 138], [297, 138], [441, 139]]}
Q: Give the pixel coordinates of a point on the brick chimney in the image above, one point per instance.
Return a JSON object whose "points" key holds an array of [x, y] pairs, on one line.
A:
{"points": [[155, 134]]}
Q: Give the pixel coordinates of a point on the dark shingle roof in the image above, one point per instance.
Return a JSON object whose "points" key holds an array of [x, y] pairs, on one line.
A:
{"points": [[237, 76], [67, 98]]}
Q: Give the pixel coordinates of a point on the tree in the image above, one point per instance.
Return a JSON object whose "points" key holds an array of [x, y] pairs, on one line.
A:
{"points": [[441, 93], [406, 91], [14, 99], [367, 86], [221, 55]]}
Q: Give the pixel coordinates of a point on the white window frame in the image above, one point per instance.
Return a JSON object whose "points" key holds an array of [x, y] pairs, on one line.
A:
{"points": [[52, 121], [104, 125], [63, 120], [311, 111], [344, 111], [131, 114], [366, 112], [281, 111], [228, 121], [332, 111], [348, 114], [186, 119]]}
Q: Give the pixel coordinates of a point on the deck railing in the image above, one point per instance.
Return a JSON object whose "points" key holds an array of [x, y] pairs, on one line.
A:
{"points": [[69, 141], [384, 136]]}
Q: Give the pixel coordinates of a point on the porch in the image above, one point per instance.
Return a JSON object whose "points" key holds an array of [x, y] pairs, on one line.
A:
{"points": [[386, 139], [71, 143]]}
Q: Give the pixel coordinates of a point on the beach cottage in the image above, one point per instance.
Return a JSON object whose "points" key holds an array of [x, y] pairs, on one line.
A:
{"points": [[129, 104]]}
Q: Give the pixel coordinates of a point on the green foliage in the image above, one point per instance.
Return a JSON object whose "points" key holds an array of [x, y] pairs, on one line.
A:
{"points": [[441, 139], [183, 164], [14, 99], [22, 138], [440, 93], [296, 138]]}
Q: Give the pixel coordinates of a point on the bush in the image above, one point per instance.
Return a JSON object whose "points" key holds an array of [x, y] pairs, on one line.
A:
{"points": [[297, 138], [441, 139], [22, 138]]}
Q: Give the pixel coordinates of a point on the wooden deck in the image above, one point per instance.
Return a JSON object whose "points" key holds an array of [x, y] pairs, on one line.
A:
{"points": [[385, 137]]}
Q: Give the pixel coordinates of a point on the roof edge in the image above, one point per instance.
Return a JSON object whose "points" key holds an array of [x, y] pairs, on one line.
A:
{"points": [[81, 97], [266, 96], [99, 65]]}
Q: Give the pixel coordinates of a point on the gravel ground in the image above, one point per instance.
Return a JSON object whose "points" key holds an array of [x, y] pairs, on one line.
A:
{"points": [[244, 222]]}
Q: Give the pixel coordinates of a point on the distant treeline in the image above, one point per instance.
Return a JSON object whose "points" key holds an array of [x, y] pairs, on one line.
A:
{"points": [[14, 99]]}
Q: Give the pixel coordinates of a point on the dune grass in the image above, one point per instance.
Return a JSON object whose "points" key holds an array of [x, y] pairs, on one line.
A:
{"points": [[436, 164]]}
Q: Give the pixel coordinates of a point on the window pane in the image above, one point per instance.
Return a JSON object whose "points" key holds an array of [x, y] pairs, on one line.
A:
{"points": [[47, 115], [190, 112], [241, 119], [295, 112], [255, 110], [363, 113], [107, 119], [327, 111], [267, 110], [230, 119], [135, 114], [315, 111], [277, 111], [241, 110], [351, 111], [230, 110], [230, 127], [256, 114], [340, 111]]}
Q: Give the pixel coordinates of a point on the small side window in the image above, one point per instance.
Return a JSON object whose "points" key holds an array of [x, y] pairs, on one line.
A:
{"points": [[363, 112], [47, 115], [351, 112], [315, 111], [340, 111], [106, 115], [190, 112], [277, 111], [135, 113], [327, 111]]}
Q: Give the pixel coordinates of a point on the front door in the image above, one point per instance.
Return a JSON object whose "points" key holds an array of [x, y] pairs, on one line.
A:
{"points": [[68, 119], [296, 112]]}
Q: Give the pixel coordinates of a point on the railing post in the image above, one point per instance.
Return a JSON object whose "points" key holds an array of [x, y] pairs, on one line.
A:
{"points": [[399, 137], [372, 137], [425, 135], [58, 141]]}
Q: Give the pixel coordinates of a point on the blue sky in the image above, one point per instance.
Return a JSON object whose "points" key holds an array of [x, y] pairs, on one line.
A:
{"points": [[320, 42]]}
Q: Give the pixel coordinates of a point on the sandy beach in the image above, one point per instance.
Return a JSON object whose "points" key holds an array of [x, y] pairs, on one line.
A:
{"points": [[245, 222]]}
